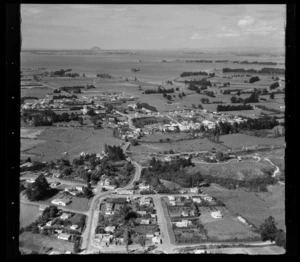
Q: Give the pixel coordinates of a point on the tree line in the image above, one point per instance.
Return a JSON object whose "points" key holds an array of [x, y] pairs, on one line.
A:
{"points": [[221, 108], [260, 71], [185, 74], [159, 91]]}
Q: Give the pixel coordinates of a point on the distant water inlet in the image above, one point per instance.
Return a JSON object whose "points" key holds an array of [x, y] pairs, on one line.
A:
{"points": [[28, 214]]}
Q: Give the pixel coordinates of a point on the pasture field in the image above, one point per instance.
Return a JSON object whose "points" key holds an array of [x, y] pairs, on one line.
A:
{"points": [[237, 141], [255, 207], [225, 228], [39, 92], [244, 170], [31, 132], [160, 135], [71, 140], [41, 243], [179, 146]]}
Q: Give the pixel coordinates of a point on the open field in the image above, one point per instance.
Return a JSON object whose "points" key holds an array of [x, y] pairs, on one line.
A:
{"points": [[31, 132], [28, 214], [39, 92], [71, 140], [268, 250], [244, 170], [241, 140], [41, 243], [225, 228], [78, 203], [160, 135], [255, 207], [180, 146], [28, 144]]}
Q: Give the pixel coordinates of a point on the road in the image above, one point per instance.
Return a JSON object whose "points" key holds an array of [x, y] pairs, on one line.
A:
{"points": [[277, 168], [88, 235]]}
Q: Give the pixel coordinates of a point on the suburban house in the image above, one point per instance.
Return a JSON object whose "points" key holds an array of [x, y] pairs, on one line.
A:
{"points": [[184, 213], [144, 187], [109, 213], [65, 216], [216, 214], [145, 222], [109, 206], [61, 201], [183, 223], [171, 197], [110, 229], [145, 201], [126, 192], [172, 202], [142, 213], [196, 199], [50, 223], [79, 188], [194, 190], [156, 240], [150, 235], [64, 236], [74, 227]]}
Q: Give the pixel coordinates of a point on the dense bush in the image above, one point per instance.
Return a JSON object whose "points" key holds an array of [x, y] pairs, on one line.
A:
{"points": [[233, 108]]}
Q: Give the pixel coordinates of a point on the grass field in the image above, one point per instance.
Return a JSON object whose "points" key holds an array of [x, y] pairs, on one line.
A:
{"points": [[247, 169], [31, 133], [225, 228], [41, 243], [255, 207], [71, 140], [180, 146], [241, 140]]}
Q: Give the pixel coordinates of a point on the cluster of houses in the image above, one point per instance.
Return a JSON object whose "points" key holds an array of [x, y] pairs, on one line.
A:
{"points": [[145, 218], [60, 230], [179, 200], [74, 190]]}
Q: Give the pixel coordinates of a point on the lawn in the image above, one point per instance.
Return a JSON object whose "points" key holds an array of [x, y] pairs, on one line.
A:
{"points": [[255, 207], [236, 141], [179, 146], [41, 243], [244, 170], [225, 228], [71, 140]]}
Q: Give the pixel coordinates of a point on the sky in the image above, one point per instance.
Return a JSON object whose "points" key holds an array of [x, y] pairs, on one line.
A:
{"points": [[78, 26]]}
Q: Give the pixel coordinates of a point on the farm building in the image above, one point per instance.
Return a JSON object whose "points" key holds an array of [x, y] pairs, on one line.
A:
{"points": [[216, 214]]}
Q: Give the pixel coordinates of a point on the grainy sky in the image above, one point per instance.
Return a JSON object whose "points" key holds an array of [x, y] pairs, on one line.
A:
{"points": [[79, 26]]}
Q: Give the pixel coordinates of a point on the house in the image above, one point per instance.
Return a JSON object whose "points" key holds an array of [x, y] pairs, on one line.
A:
{"points": [[109, 213], [144, 187], [126, 192], [194, 190], [157, 233], [153, 215], [150, 235], [196, 199], [79, 188], [61, 201], [145, 222], [31, 180], [183, 223], [58, 231], [50, 223], [184, 213], [109, 206], [110, 229], [64, 236], [65, 216], [242, 220], [74, 227], [171, 197], [56, 175], [216, 214], [142, 213], [156, 240], [145, 201], [173, 203], [54, 184], [110, 187]]}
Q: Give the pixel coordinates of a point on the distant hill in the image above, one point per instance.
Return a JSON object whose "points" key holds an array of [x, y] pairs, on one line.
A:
{"points": [[96, 48]]}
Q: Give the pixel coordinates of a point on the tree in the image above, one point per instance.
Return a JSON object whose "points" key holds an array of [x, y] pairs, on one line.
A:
{"points": [[80, 120], [200, 106], [233, 99], [38, 190], [142, 241], [126, 238], [94, 119], [272, 96], [274, 85], [28, 160], [268, 229], [134, 142], [280, 238]]}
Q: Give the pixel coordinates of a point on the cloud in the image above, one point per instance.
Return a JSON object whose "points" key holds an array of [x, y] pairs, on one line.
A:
{"points": [[246, 21], [196, 36], [228, 35]]}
